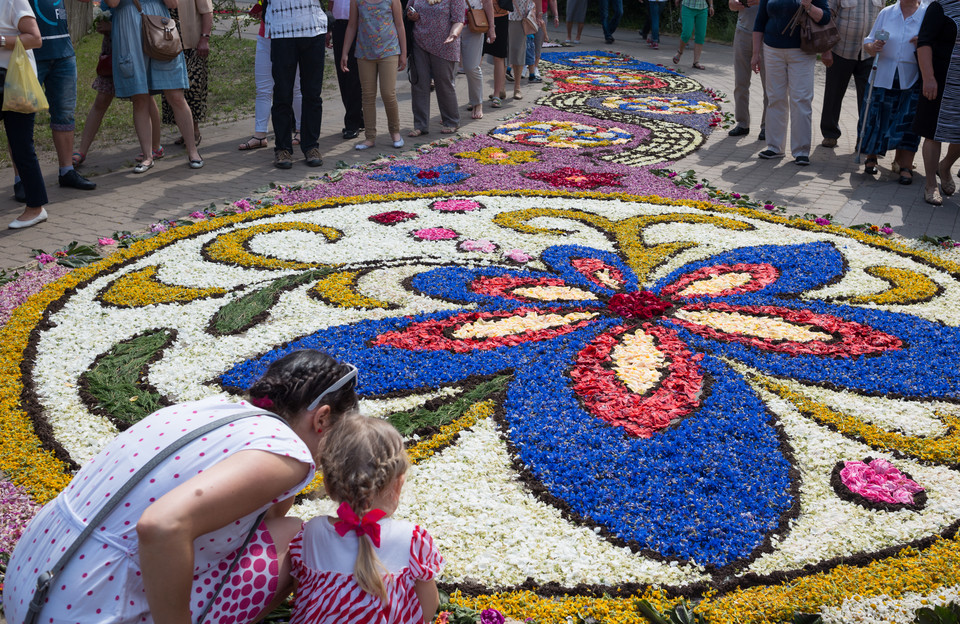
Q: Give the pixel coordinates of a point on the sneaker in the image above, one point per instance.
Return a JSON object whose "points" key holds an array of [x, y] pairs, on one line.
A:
{"points": [[828, 142], [282, 159], [610, 40], [654, 45], [768, 154], [72, 179], [535, 79], [509, 75], [313, 158], [349, 133], [802, 161], [763, 135], [739, 131]]}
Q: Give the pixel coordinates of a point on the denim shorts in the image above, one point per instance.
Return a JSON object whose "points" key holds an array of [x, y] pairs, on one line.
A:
{"points": [[59, 80]]}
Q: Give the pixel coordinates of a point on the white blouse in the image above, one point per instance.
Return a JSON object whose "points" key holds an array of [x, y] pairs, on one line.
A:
{"points": [[899, 53]]}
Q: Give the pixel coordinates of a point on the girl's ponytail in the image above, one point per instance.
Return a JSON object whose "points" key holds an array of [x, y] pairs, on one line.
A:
{"points": [[361, 456]]}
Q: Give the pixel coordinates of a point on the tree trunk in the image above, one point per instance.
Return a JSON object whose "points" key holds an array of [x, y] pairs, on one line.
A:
{"points": [[79, 18]]}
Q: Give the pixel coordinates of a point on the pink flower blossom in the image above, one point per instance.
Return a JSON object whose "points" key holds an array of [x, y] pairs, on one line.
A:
{"points": [[435, 234], [242, 205], [45, 258], [103, 242], [517, 255], [158, 227], [198, 215], [879, 481], [482, 245], [768, 206], [455, 205], [886, 230], [736, 195], [822, 221]]}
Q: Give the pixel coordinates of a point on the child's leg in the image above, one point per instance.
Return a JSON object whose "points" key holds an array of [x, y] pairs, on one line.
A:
{"points": [[368, 89], [387, 70], [155, 120], [94, 118]]}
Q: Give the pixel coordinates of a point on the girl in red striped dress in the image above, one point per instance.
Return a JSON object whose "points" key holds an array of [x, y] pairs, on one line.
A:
{"points": [[364, 567]]}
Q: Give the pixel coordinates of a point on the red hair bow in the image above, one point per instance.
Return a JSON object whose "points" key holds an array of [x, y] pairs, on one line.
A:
{"points": [[350, 522]]}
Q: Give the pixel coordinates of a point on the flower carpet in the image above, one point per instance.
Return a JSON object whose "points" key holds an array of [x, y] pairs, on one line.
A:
{"points": [[611, 387]]}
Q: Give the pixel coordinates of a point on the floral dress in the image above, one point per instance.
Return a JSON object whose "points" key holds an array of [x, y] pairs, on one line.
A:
{"points": [[102, 582], [327, 593]]}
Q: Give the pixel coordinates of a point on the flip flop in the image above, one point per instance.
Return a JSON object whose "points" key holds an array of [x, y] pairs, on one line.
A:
{"points": [[497, 102], [449, 129], [676, 59], [698, 65], [417, 132], [296, 138], [78, 158]]}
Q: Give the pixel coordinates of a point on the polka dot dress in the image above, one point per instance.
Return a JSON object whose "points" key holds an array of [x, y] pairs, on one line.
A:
{"points": [[102, 583]]}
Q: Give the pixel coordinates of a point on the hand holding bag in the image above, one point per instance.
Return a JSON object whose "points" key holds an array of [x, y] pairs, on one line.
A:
{"points": [[21, 89], [161, 39], [814, 38], [477, 20]]}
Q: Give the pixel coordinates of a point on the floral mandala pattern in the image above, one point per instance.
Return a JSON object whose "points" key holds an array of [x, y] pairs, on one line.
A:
{"points": [[562, 134], [623, 392], [660, 105]]}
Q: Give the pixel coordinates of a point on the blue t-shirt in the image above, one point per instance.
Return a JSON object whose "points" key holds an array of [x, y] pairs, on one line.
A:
{"points": [[52, 20], [774, 16]]}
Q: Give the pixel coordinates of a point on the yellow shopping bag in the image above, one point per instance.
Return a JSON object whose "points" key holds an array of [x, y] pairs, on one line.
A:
{"points": [[21, 90]]}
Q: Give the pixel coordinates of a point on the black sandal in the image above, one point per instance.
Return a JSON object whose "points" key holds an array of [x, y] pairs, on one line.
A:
{"points": [[870, 166], [906, 180]]}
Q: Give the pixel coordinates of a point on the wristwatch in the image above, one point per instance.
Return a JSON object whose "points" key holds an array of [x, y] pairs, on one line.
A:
{"points": [[3, 41], [205, 35]]}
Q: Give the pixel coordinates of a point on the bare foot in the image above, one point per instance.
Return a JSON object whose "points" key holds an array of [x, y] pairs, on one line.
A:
{"points": [[477, 112]]}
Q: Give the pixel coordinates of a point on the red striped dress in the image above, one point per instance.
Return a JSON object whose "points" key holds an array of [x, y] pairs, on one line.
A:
{"points": [[322, 563]]}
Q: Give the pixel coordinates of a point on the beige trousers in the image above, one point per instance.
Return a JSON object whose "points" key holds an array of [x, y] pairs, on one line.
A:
{"points": [[385, 70], [789, 96]]}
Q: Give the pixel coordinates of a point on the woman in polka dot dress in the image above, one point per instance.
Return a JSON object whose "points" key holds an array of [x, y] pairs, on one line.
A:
{"points": [[161, 554], [364, 567]]}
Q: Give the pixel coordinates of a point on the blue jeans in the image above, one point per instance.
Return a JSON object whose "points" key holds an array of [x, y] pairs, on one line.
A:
{"points": [[19, 129], [610, 13], [652, 25], [286, 55], [59, 80]]}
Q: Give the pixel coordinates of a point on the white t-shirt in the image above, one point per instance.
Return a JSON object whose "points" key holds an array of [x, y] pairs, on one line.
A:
{"points": [[11, 12]]}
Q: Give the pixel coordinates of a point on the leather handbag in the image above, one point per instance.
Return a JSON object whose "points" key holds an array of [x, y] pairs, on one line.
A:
{"points": [[477, 20], [814, 38], [161, 39], [529, 22], [105, 66]]}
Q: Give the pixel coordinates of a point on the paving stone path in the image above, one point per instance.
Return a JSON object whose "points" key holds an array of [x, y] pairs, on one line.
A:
{"points": [[833, 184]]}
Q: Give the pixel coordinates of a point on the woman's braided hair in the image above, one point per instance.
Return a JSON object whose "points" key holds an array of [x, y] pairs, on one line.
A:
{"points": [[363, 456], [295, 380]]}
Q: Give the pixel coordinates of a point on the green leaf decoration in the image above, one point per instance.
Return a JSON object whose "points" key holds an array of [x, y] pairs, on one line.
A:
{"points": [[646, 610], [427, 419], [241, 314], [806, 618], [115, 385]]}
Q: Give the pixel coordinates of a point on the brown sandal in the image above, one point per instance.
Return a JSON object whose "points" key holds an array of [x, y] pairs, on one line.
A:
{"points": [[252, 143]]}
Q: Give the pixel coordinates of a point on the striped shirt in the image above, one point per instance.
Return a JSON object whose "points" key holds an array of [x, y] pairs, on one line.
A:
{"points": [[322, 563], [695, 4], [289, 19], [854, 19]]}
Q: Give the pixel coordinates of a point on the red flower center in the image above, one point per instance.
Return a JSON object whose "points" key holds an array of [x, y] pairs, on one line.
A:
{"points": [[428, 175], [642, 304]]}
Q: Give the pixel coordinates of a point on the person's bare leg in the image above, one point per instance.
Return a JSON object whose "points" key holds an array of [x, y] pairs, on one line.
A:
{"points": [[157, 124], [94, 118], [184, 119], [143, 125], [499, 76], [63, 143], [579, 31], [697, 51], [569, 31], [946, 165], [517, 69]]}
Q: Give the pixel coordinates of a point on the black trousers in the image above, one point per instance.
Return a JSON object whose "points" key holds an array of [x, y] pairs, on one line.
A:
{"points": [[286, 55], [349, 81], [838, 78]]}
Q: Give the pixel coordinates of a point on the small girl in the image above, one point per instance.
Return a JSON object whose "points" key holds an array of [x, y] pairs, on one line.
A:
{"points": [[381, 52], [364, 566]]}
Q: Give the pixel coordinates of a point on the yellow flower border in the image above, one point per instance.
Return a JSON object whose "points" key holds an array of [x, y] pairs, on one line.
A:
{"points": [[27, 464]]}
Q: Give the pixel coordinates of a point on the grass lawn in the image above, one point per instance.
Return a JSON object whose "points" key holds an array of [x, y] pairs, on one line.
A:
{"points": [[231, 94]]}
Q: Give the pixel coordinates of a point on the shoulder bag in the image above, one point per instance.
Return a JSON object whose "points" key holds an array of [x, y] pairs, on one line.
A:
{"points": [[45, 580], [529, 22], [161, 39], [477, 20], [814, 38]]}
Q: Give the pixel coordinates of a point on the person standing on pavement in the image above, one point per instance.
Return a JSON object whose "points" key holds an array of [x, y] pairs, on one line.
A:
{"points": [[57, 72], [436, 31], [610, 13], [651, 27], [789, 75], [298, 39], [196, 24], [471, 56], [349, 81], [693, 20], [742, 51], [17, 21], [854, 18]]}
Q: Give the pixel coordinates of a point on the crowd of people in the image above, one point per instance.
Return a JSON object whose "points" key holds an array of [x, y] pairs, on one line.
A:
{"points": [[898, 57]]}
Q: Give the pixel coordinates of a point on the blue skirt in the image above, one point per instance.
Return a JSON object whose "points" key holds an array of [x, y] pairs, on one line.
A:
{"points": [[889, 121]]}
